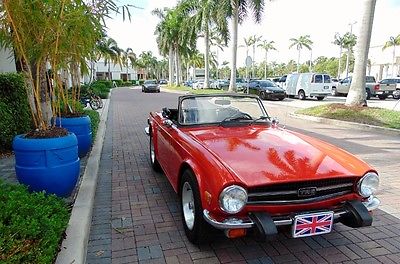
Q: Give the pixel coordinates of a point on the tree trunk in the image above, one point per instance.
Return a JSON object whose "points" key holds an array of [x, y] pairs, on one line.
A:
{"points": [[171, 66], [177, 68], [252, 62], [357, 95], [266, 63], [348, 61], [340, 62], [206, 56], [298, 61], [235, 22]]}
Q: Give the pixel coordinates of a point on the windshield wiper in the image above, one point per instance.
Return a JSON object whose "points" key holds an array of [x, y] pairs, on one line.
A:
{"points": [[258, 119], [236, 117]]}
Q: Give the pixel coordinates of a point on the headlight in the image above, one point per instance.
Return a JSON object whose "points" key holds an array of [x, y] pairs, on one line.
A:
{"points": [[368, 184], [232, 199]]}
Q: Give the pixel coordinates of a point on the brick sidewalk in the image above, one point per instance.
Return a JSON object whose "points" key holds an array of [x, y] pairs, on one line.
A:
{"points": [[136, 218]]}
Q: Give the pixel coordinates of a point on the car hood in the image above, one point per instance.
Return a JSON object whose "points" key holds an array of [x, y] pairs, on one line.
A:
{"points": [[274, 89], [257, 155]]}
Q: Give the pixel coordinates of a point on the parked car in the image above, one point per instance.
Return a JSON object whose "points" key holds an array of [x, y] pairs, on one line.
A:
{"points": [[372, 88], [316, 85], [150, 86], [236, 170], [266, 89], [199, 84], [220, 84], [388, 86], [241, 84], [188, 83], [163, 81]]}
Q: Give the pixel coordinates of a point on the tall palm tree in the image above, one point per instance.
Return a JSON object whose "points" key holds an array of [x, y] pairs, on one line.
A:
{"points": [[110, 52], [206, 15], [266, 46], [239, 10], [349, 42], [248, 42], [129, 60], [302, 41], [339, 40], [254, 40], [356, 95], [392, 42]]}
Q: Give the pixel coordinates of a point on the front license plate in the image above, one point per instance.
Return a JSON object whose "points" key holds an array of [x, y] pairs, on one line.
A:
{"points": [[326, 87], [312, 224]]}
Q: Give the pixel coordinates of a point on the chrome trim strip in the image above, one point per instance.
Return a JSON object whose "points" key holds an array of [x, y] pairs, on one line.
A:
{"points": [[147, 131], [337, 186], [299, 201]]}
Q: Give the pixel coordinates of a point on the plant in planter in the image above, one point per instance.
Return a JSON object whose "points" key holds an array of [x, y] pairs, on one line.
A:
{"points": [[60, 35]]}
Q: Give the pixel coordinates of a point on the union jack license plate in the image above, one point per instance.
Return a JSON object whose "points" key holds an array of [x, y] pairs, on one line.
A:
{"points": [[312, 224]]}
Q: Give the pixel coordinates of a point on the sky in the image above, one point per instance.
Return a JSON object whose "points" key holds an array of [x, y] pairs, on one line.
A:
{"points": [[281, 20]]}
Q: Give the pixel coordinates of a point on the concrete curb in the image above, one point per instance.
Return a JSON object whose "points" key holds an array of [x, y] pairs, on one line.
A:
{"points": [[74, 246], [388, 131]]}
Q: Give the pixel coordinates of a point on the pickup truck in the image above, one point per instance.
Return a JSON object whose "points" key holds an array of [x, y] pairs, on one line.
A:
{"points": [[390, 85], [372, 88]]}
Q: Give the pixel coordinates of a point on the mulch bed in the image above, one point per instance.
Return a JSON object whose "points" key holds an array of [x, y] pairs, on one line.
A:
{"points": [[53, 132]]}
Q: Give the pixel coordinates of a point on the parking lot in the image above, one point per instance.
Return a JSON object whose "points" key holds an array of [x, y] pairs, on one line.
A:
{"points": [[136, 217]]}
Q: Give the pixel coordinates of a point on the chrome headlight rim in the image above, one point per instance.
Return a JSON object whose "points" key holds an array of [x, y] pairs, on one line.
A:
{"points": [[366, 177], [228, 189]]}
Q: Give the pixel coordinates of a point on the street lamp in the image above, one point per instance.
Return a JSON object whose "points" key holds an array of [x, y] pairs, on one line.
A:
{"points": [[348, 49], [393, 40]]}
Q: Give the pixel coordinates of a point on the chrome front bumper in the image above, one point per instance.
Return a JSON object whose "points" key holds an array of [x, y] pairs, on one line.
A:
{"points": [[231, 223]]}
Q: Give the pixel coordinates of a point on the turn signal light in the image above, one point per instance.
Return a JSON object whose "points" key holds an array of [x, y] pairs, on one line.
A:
{"points": [[234, 233]]}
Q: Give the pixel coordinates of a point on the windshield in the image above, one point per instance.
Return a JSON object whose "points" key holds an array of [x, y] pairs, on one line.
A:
{"points": [[267, 83], [369, 79], [217, 109], [150, 82]]}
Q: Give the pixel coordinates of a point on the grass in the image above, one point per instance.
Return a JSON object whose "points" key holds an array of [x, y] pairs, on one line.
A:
{"points": [[31, 225], [364, 115], [192, 91]]}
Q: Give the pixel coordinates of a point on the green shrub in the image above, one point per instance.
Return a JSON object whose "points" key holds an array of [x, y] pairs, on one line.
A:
{"points": [[108, 84], [141, 82], [128, 83], [14, 108], [119, 83], [94, 121], [100, 89], [31, 225]]}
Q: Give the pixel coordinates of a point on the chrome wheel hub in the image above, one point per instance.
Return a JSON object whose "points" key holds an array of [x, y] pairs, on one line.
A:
{"points": [[188, 205]]}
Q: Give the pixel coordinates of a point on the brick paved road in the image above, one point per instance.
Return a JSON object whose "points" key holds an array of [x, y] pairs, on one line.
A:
{"points": [[136, 216]]}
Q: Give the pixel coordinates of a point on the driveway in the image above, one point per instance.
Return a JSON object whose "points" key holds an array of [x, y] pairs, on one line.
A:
{"points": [[136, 218]]}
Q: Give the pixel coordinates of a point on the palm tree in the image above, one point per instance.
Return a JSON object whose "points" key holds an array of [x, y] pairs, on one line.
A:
{"points": [[356, 95], [248, 42], [302, 41], [129, 59], [339, 40], [349, 42], [110, 52], [207, 15], [392, 42], [254, 40], [266, 46], [239, 10]]}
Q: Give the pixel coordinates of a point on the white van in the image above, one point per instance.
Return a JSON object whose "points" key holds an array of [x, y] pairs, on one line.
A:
{"points": [[308, 84]]}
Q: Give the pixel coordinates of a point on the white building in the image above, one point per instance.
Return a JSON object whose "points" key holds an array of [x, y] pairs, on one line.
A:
{"points": [[382, 62], [7, 62], [102, 70]]}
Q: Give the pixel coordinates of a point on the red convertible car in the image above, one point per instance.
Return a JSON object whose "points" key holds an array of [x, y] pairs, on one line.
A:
{"points": [[236, 170]]}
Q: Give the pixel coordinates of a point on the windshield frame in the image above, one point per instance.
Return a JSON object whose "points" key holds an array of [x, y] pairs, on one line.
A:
{"points": [[184, 97]]}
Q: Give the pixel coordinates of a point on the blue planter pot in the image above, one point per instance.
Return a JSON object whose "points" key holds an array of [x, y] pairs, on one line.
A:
{"points": [[80, 126], [49, 164]]}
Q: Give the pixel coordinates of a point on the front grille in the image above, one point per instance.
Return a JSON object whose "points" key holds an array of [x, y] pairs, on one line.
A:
{"points": [[300, 192]]}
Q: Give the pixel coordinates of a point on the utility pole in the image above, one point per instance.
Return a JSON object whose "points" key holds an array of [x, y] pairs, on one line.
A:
{"points": [[348, 50]]}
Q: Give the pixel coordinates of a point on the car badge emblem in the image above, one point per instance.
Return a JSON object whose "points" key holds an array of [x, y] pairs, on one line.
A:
{"points": [[307, 192]]}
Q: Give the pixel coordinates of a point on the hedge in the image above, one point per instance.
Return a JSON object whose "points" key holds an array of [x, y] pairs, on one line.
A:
{"points": [[94, 121], [14, 108], [31, 225]]}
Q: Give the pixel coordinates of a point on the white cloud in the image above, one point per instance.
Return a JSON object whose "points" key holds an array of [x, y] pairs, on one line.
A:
{"points": [[282, 20]]}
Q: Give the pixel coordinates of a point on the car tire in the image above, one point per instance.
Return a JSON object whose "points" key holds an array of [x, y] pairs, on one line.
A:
{"points": [[196, 229], [153, 158], [302, 95], [382, 97], [281, 98], [320, 98], [262, 95], [334, 92], [396, 94], [368, 93]]}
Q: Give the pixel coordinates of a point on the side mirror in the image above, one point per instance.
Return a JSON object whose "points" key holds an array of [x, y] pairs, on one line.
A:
{"points": [[166, 113], [274, 121]]}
